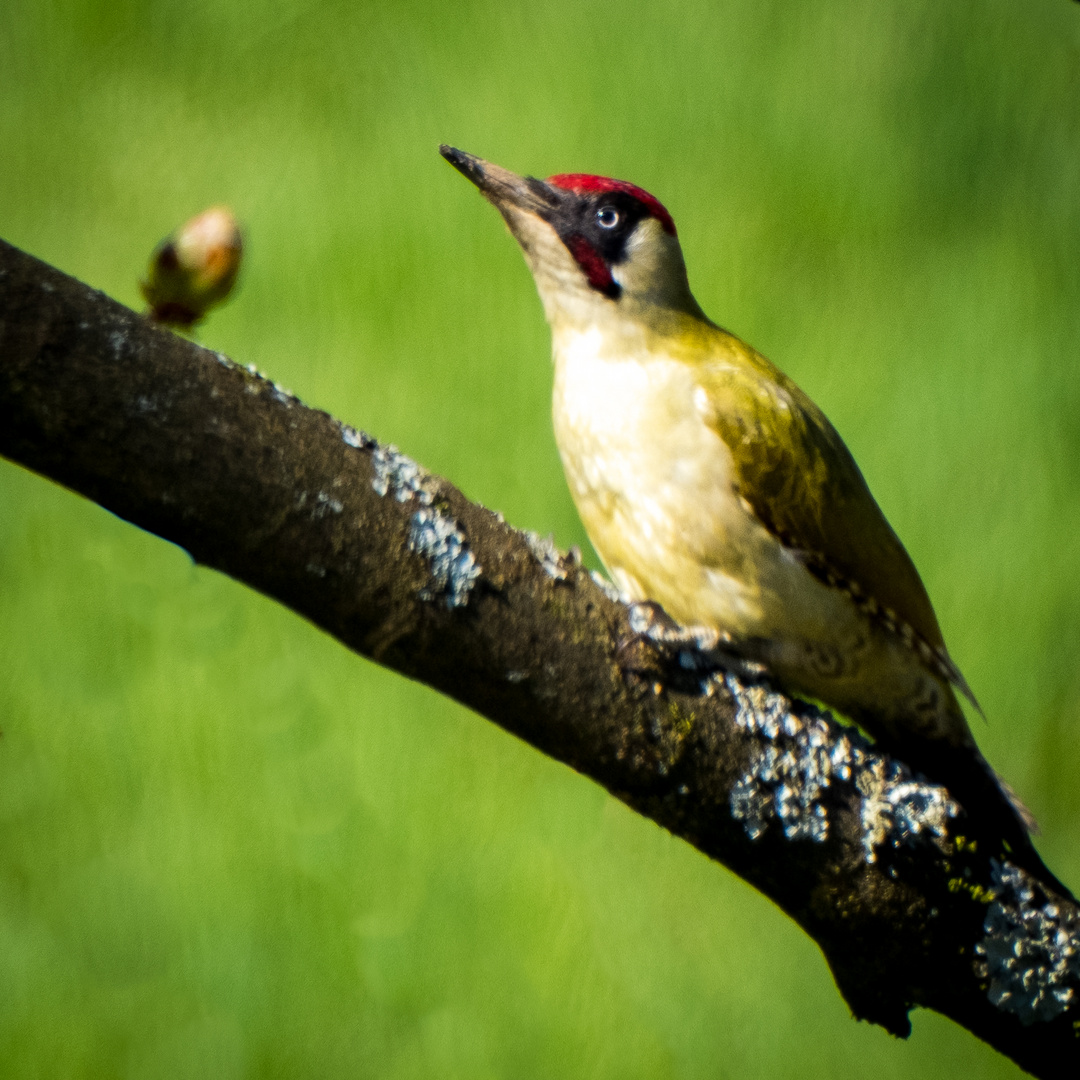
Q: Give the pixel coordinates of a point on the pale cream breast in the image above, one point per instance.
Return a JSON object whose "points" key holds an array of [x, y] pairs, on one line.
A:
{"points": [[653, 484]]}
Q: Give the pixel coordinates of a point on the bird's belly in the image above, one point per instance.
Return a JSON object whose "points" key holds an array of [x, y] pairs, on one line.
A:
{"points": [[652, 482]]}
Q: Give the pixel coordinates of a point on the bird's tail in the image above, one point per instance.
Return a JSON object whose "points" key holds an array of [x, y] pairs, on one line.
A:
{"points": [[990, 803]]}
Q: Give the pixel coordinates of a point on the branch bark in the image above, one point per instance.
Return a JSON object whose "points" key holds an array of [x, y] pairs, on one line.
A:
{"points": [[910, 903]]}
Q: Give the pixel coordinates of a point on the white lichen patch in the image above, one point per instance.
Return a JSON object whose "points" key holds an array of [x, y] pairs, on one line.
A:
{"points": [[326, 504], [283, 396], [556, 564], [801, 752], [896, 808], [454, 568], [259, 381], [1030, 953], [609, 589], [359, 440], [432, 534], [790, 769], [400, 476]]}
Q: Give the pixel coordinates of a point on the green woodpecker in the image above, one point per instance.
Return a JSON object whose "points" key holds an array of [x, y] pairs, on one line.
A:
{"points": [[709, 483]]}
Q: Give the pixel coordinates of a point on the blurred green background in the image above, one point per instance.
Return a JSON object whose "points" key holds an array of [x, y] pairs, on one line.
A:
{"points": [[228, 847]]}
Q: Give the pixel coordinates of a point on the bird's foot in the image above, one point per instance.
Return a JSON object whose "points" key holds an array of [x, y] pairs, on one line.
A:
{"points": [[658, 645], [650, 620]]}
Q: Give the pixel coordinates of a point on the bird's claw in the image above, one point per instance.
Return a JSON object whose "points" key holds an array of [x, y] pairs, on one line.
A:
{"points": [[657, 644]]}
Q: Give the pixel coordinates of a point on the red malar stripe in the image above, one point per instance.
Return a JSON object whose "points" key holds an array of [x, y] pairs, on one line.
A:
{"points": [[592, 263]]}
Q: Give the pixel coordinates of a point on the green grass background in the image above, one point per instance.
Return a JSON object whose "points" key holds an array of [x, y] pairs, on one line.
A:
{"points": [[230, 848]]}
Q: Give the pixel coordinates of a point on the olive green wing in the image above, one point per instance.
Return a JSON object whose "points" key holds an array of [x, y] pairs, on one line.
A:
{"points": [[802, 483]]}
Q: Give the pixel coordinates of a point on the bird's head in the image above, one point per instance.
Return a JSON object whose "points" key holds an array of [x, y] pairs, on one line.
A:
{"points": [[598, 248]]}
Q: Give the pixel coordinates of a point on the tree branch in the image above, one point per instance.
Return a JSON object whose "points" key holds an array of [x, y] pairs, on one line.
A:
{"points": [[910, 903]]}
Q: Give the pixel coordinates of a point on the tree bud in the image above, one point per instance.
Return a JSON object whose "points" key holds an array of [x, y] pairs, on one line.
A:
{"points": [[193, 269]]}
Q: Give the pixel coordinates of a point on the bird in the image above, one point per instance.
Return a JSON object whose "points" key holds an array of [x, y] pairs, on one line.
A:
{"points": [[710, 484]]}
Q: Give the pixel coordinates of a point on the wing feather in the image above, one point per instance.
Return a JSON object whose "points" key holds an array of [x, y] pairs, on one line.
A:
{"points": [[802, 483]]}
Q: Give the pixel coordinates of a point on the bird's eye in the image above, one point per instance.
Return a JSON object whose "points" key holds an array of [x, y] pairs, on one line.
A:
{"points": [[607, 217]]}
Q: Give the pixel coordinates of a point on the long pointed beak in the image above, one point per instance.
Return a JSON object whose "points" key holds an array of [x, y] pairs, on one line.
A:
{"points": [[503, 187]]}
